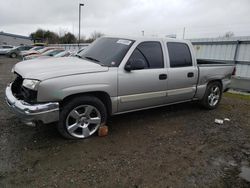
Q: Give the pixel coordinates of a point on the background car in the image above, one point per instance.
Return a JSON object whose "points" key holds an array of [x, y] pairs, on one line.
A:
{"points": [[79, 51], [63, 54], [4, 49], [31, 51], [41, 51], [48, 53], [15, 52]]}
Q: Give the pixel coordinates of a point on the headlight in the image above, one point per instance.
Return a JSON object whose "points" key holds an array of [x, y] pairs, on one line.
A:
{"points": [[31, 84], [27, 58]]}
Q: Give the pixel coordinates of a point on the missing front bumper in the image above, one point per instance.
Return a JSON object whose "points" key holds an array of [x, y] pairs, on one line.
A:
{"points": [[32, 113]]}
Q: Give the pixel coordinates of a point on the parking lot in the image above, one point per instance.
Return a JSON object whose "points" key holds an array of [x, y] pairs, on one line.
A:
{"points": [[174, 146]]}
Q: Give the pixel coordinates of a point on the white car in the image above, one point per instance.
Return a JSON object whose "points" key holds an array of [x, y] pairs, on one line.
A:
{"points": [[49, 53], [31, 51], [4, 49]]}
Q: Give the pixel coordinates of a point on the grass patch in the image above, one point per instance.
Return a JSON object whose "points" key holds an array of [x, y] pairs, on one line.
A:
{"points": [[237, 96]]}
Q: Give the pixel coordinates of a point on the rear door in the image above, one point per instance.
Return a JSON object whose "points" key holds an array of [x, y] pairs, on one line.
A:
{"points": [[146, 87], [182, 73]]}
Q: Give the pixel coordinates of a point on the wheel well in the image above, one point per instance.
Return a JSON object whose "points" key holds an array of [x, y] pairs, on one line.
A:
{"points": [[212, 81], [103, 96], [216, 81]]}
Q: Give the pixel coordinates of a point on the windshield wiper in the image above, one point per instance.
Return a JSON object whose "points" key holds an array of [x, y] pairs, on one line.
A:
{"points": [[91, 58], [78, 56]]}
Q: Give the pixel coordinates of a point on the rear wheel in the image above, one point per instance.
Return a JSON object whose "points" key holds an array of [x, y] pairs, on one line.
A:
{"points": [[212, 95], [81, 117]]}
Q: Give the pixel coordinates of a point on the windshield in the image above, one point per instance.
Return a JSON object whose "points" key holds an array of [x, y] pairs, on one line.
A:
{"points": [[52, 52], [107, 51], [37, 48], [43, 50], [78, 52], [62, 54]]}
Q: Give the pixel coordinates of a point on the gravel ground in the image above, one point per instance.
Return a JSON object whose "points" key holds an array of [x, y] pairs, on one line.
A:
{"points": [[175, 146]]}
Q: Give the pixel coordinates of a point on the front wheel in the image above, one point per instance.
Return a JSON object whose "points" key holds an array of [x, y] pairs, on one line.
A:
{"points": [[13, 55], [81, 117], [212, 95]]}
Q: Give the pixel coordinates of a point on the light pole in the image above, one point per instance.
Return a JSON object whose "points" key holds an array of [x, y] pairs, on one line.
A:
{"points": [[142, 32], [80, 5], [184, 30]]}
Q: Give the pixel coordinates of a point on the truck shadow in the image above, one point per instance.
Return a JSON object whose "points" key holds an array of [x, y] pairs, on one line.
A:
{"points": [[121, 128], [137, 118]]}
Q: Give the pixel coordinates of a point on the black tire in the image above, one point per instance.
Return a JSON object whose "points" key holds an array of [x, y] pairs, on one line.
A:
{"points": [[74, 103], [206, 101], [13, 55]]}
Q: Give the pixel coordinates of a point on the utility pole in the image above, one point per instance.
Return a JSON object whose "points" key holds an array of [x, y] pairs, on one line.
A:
{"points": [[80, 5], [184, 30], [142, 32]]}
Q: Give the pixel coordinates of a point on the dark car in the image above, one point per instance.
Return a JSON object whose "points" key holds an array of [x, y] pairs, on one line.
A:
{"points": [[16, 51]]}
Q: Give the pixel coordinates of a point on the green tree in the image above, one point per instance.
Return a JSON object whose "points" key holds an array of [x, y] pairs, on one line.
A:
{"points": [[68, 38], [51, 37], [38, 35], [45, 36]]}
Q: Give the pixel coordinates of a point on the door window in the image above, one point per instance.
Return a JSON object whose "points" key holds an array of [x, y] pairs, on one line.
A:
{"points": [[179, 54], [150, 53]]}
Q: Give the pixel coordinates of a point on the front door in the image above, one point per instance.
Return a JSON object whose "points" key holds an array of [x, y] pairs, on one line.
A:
{"points": [[146, 87]]}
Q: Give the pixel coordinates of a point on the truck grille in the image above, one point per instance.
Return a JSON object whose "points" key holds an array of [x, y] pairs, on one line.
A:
{"points": [[21, 92]]}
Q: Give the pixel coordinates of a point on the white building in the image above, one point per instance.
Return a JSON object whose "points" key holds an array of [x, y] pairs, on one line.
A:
{"points": [[14, 40], [229, 50]]}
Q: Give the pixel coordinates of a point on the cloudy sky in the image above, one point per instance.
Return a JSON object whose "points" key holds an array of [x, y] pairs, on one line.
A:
{"points": [[201, 18]]}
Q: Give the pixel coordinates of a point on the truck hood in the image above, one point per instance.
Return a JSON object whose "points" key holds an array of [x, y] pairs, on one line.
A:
{"points": [[42, 69]]}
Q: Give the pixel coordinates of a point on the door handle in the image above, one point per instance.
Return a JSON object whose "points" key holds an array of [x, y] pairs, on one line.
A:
{"points": [[190, 74], [163, 77]]}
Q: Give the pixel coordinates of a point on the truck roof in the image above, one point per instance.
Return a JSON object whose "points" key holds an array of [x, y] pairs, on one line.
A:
{"points": [[144, 38]]}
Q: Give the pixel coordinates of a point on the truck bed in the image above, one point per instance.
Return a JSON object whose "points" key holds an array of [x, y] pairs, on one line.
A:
{"points": [[202, 62], [214, 70]]}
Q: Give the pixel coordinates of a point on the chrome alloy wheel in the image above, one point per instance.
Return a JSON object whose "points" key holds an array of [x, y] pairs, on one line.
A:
{"points": [[214, 96], [83, 121]]}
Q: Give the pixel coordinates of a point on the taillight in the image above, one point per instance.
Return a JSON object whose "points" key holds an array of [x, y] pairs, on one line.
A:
{"points": [[234, 71]]}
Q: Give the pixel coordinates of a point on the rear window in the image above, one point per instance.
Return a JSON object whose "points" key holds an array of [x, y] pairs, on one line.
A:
{"points": [[179, 54]]}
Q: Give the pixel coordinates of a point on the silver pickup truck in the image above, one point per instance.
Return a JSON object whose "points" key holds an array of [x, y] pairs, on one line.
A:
{"points": [[114, 75]]}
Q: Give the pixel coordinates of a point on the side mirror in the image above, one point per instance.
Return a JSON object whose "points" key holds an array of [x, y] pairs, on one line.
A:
{"points": [[135, 64]]}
